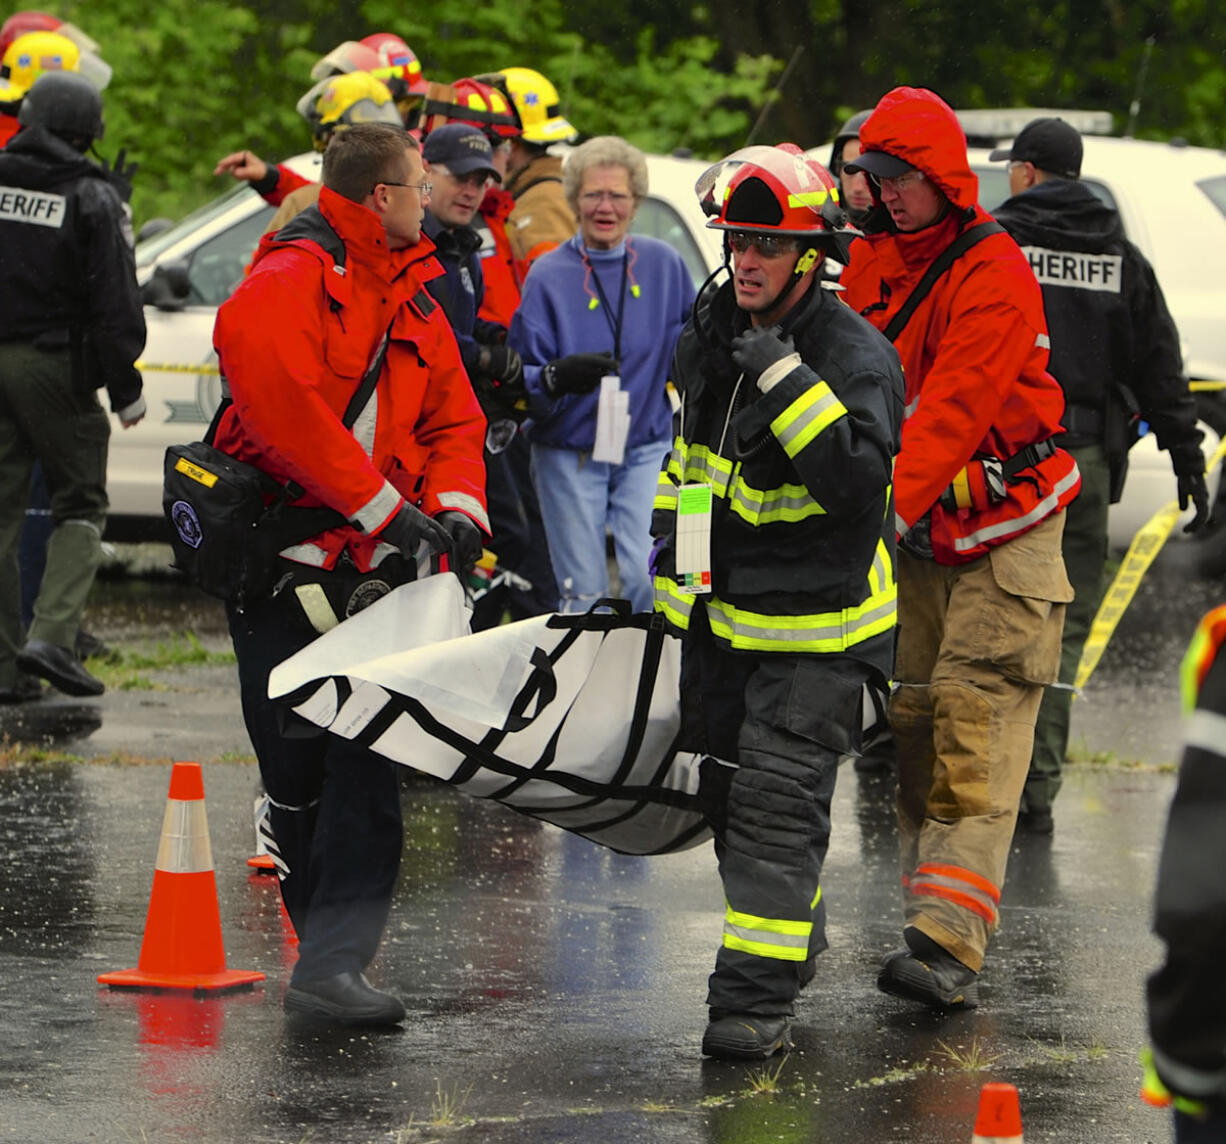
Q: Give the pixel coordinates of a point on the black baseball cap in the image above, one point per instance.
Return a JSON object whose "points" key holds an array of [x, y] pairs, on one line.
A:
{"points": [[1050, 144], [461, 148], [879, 163]]}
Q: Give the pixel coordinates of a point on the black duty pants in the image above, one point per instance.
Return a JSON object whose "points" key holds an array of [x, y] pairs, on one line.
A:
{"points": [[335, 810]]}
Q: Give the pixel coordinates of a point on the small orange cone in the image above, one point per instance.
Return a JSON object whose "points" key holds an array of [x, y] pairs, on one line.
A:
{"points": [[182, 948], [1000, 1116]]}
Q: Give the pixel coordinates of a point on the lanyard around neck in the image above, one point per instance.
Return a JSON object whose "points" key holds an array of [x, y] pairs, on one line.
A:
{"points": [[615, 323]]}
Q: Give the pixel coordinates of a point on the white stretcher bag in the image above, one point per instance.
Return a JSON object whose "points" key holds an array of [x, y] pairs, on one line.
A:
{"points": [[572, 719]]}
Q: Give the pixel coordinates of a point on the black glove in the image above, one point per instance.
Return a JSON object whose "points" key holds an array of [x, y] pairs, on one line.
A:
{"points": [[119, 175], [757, 349], [578, 373], [501, 364], [466, 540], [1192, 488], [410, 526]]}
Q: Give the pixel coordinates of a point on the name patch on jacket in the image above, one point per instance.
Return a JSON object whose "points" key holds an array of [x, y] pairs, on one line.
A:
{"points": [[17, 205], [1073, 268]]}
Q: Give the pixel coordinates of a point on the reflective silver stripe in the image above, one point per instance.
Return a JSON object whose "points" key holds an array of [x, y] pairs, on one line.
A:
{"points": [[376, 511], [879, 577], [1206, 730], [900, 525], [666, 495], [958, 884], [908, 410], [806, 417], [823, 631], [789, 502], [364, 424], [701, 465], [767, 937], [318, 611], [1017, 524], [305, 553], [1042, 341], [1192, 1082], [466, 503], [675, 605], [184, 846]]}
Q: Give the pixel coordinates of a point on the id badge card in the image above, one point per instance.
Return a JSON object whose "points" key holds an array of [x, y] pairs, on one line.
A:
{"points": [[694, 538], [612, 421]]}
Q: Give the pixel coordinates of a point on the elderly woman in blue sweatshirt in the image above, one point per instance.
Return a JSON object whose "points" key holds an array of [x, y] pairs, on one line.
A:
{"points": [[602, 305]]}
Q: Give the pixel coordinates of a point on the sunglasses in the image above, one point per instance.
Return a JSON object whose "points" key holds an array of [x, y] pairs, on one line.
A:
{"points": [[898, 182], [768, 245]]}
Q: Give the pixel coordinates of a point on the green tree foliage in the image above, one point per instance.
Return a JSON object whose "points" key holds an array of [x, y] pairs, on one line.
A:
{"points": [[195, 79]]}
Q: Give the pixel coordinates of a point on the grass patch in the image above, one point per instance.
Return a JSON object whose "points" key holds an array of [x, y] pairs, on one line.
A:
{"points": [[1066, 1054], [447, 1108], [896, 1075], [976, 1058], [1083, 756], [765, 1080], [123, 668]]}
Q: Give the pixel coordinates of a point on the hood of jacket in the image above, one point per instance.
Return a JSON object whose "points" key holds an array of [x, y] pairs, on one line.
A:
{"points": [[37, 160], [1061, 213], [920, 128]]}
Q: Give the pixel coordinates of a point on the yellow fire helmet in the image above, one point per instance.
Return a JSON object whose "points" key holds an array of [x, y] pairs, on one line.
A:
{"points": [[29, 56], [343, 100], [540, 111]]}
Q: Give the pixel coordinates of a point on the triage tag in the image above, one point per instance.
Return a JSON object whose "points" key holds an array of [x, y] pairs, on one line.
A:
{"points": [[612, 421], [694, 538]]}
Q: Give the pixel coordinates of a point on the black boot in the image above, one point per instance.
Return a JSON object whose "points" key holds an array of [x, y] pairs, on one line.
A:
{"points": [[347, 998], [926, 972], [59, 667], [746, 1036]]}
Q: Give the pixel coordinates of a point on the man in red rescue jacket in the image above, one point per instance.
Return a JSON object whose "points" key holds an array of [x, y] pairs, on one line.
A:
{"points": [[295, 343], [980, 489]]}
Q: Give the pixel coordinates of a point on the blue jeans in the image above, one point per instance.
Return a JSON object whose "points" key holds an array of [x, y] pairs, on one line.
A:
{"points": [[579, 497]]}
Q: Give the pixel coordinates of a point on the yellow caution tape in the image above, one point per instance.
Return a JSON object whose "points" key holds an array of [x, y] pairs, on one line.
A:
{"points": [[1147, 543], [177, 367]]}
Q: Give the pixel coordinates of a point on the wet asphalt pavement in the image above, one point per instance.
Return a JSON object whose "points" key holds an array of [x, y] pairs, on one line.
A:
{"points": [[555, 990]]}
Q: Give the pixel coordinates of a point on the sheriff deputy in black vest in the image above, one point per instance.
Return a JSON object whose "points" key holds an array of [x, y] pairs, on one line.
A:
{"points": [[70, 321]]}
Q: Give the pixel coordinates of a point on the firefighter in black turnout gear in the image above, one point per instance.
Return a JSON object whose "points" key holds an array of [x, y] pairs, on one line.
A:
{"points": [[1115, 353], [70, 321], [774, 557]]}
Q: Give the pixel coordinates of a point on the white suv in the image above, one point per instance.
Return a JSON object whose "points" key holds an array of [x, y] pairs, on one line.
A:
{"points": [[189, 269]]}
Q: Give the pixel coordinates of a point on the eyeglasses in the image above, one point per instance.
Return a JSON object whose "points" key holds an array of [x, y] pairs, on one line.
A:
{"points": [[768, 245], [617, 199], [897, 182], [424, 188]]}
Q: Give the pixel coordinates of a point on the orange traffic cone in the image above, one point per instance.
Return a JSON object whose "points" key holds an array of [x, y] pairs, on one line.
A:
{"points": [[1000, 1116], [182, 948]]}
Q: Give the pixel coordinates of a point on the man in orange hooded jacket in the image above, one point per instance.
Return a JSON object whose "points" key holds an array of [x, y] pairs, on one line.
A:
{"points": [[980, 488]]}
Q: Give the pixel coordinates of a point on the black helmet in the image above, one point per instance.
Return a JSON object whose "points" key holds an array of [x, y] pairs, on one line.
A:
{"points": [[66, 104], [849, 130]]}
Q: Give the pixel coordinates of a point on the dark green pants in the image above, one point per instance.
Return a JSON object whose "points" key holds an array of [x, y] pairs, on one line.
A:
{"points": [[43, 418], [1085, 556]]}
